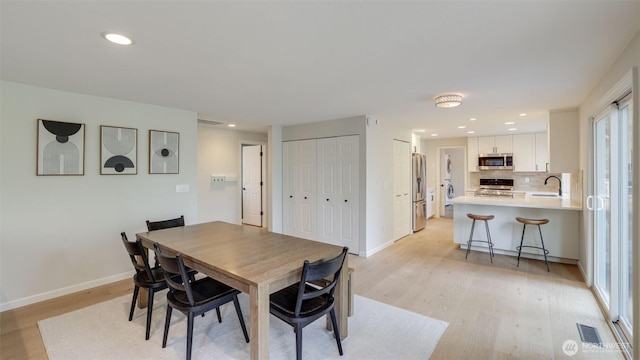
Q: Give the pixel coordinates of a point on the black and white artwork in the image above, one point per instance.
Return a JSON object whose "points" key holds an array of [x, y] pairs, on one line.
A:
{"points": [[60, 148], [163, 152], [118, 150]]}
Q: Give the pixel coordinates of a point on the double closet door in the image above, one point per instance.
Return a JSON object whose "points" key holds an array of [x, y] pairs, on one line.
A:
{"points": [[321, 190]]}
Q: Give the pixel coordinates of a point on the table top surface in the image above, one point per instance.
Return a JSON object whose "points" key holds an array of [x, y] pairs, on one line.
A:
{"points": [[248, 254]]}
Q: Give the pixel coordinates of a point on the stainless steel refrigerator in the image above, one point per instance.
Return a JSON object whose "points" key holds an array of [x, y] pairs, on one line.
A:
{"points": [[419, 188]]}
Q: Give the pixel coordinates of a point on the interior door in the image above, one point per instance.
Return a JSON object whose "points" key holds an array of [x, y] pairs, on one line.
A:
{"points": [[252, 185], [402, 207]]}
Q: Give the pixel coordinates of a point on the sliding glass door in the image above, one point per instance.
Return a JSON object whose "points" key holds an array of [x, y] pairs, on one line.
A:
{"points": [[611, 204]]}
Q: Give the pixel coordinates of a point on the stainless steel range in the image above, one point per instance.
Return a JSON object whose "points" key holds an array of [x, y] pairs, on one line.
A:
{"points": [[495, 187]]}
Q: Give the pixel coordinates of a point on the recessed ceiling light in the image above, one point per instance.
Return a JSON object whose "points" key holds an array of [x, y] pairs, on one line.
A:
{"points": [[461, 127], [434, 134], [231, 125], [512, 129], [471, 132], [523, 114], [472, 119], [117, 38], [420, 130], [509, 123]]}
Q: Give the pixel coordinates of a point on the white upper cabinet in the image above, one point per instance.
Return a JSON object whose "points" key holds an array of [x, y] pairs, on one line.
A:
{"points": [[495, 144], [542, 152], [524, 146]]}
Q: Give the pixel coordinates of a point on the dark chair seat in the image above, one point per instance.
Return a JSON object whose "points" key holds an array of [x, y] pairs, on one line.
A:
{"points": [[303, 303]]}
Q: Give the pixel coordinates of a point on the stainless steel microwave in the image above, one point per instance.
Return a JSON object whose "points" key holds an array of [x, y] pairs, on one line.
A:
{"points": [[502, 161]]}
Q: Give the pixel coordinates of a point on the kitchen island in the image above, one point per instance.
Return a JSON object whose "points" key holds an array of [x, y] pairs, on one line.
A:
{"points": [[561, 234]]}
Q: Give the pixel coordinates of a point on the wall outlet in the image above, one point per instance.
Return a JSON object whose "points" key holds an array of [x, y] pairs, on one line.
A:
{"points": [[182, 188], [526, 180], [217, 178]]}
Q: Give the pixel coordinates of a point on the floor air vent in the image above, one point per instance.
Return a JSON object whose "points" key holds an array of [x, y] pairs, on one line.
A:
{"points": [[589, 334]]}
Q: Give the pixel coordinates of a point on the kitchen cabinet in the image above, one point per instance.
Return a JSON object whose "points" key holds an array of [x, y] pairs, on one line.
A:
{"points": [[472, 154], [431, 202], [524, 146], [495, 144], [321, 190], [542, 152], [530, 152], [563, 140]]}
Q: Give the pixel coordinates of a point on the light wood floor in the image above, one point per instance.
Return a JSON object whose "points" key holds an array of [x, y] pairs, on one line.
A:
{"points": [[494, 311]]}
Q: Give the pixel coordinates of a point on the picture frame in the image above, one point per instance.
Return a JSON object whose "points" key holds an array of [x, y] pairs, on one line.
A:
{"points": [[59, 148], [164, 152], [118, 150]]}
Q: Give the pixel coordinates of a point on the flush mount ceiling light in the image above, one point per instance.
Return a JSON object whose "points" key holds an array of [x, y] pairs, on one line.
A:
{"points": [[448, 101], [117, 38]]}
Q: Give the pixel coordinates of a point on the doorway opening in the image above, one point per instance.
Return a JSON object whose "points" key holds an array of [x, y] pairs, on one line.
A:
{"points": [[452, 177]]}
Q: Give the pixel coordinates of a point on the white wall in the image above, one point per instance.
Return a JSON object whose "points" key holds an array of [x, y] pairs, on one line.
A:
{"points": [[219, 153], [60, 234], [379, 180]]}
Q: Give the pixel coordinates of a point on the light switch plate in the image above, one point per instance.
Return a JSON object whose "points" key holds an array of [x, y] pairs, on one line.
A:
{"points": [[182, 188]]}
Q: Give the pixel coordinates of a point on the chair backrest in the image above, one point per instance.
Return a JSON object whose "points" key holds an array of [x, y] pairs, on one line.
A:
{"points": [[175, 273], [312, 272], [165, 224], [138, 257]]}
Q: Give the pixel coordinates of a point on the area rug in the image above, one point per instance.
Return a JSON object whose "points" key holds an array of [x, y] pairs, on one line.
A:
{"points": [[101, 331]]}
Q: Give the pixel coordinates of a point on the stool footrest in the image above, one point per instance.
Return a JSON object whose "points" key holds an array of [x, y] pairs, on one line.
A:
{"points": [[532, 247]]}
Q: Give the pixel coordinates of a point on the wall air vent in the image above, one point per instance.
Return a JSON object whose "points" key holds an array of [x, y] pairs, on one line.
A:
{"points": [[209, 122]]}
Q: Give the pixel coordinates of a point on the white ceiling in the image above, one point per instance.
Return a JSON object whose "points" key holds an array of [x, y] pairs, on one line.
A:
{"points": [[266, 62]]}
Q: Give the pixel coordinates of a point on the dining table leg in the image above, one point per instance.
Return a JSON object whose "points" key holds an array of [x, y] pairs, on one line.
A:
{"points": [[259, 315], [342, 301]]}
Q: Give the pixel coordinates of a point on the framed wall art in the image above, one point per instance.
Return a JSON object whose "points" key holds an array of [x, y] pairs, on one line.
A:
{"points": [[164, 148], [60, 148], [118, 150]]}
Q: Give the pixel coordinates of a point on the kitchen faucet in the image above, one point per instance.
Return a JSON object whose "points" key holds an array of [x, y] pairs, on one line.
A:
{"points": [[559, 183]]}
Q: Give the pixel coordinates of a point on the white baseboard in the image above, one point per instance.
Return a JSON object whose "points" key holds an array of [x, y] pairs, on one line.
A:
{"points": [[13, 304], [377, 249]]}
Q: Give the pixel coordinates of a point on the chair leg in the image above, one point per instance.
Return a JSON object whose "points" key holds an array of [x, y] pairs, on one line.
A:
{"points": [[486, 226], [336, 330], [189, 334], [136, 289], [298, 331], [473, 224], [167, 322], [544, 250], [520, 247], [149, 312], [239, 312], [218, 313]]}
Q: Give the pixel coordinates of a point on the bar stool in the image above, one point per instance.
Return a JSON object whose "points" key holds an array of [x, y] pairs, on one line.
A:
{"points": [[532, 222], [484, 218]]}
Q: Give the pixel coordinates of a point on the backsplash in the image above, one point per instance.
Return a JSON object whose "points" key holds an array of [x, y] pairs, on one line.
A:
{"points": [[533, 181]]}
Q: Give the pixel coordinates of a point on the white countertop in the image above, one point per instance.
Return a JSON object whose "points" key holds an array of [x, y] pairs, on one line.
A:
{"points": [[521, 201]]}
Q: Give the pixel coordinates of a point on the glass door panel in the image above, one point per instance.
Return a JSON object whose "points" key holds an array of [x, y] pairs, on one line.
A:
{"points": [[601, 206]]}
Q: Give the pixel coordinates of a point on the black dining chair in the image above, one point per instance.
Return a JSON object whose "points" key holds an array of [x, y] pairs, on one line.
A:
{"points": [[165, 224], [193, 297], [147, 277], [303, 303]]}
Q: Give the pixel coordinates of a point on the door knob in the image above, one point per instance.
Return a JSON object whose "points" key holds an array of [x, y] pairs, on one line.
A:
{"points": [[345, 200], [327, 199], [291, 196], [305, 198]]}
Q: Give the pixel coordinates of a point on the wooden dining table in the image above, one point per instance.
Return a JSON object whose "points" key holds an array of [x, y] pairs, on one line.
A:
{"points": [[252, 260]]}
